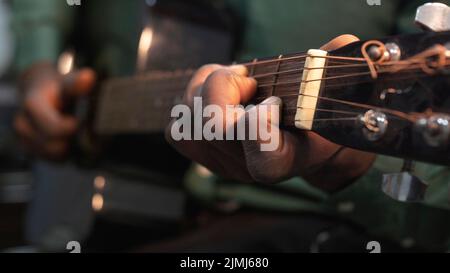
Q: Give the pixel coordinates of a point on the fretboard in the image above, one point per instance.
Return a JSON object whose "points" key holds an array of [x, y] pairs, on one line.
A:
{"points": [[139, 104], [142, 104], [348, 96]]}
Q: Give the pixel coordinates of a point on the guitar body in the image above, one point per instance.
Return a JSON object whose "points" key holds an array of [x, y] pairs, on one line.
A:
{"points": [[386, 96], [182, 38]]}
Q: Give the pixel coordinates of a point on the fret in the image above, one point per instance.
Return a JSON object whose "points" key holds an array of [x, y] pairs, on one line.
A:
{"points": [[269, 72], [275, 78], [253, 67], [143, 103], [139, 104]]}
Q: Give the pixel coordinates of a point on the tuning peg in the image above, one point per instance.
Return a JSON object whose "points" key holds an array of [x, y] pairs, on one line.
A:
{"points": [[434, 17], [404, 186], [435, 129]]}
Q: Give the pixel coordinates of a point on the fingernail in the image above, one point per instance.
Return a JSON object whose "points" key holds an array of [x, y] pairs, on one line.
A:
{"points": [[238, 68], [272, 101]]}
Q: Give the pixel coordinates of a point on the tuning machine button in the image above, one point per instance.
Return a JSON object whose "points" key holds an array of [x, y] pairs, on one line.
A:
{"points": [[435, 129], [374, 124], [434, 17], [392, 52], [404, 186]]}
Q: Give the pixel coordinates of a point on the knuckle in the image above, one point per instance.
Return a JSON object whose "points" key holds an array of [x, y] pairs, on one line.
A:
{"points": [[222, 77], [204, 72], [208, 69]]}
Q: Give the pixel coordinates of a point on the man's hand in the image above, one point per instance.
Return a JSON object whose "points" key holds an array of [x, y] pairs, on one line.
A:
{"points": [[41, 124], [321, 162]]}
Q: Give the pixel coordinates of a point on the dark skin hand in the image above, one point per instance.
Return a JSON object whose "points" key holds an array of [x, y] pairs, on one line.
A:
{"points": [[306, 154], [46, 131], [41, 125]]}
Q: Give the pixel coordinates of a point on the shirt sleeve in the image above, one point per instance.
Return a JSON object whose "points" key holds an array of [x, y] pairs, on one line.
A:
{"points": [[40, 29]]}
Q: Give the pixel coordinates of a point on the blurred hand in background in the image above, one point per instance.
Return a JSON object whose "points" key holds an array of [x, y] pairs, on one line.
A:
{"points": [[42, 125]]}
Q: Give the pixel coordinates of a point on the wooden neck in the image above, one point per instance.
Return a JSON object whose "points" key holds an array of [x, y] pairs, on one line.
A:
{"points": [[139, 104], [142, 104], [394, 112]]}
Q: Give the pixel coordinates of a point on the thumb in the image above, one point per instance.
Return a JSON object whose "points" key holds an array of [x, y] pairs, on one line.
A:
{"points": [[263, 123], [79, 82], [270, 157]]}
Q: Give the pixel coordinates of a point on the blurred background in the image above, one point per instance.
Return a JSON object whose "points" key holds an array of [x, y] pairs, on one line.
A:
{"points": [[16, 179], [116, 202], [124, 191]]}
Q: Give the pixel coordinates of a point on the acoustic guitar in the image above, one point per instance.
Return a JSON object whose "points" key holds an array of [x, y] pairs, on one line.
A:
{"points": [[387, 96]]}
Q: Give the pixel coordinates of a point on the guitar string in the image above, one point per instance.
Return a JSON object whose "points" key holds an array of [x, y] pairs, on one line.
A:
{"points": [[304, 56], [419, 59], [346, 84], [365, 106], [256, 76], [404, 115], [328, 78], [389, 111], [370, 65], [293, 71], [390, 64], [409, 69], [324, 110], [327, 119], [330, 119], [332, 85], [315, 80], [400, 114]]}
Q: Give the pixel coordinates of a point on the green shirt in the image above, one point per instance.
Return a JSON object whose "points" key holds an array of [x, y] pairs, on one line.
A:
{"points": [[270, 28], [39, 28], [111, 30]]}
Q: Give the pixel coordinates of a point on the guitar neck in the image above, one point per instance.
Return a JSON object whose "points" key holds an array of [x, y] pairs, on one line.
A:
{"points": [[139, 104], [378, 104], [142, 104]]}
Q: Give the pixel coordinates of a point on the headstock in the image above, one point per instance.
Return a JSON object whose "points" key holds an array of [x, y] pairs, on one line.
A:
{"points": [[423, 133], [404, 110], [387, 96]]}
